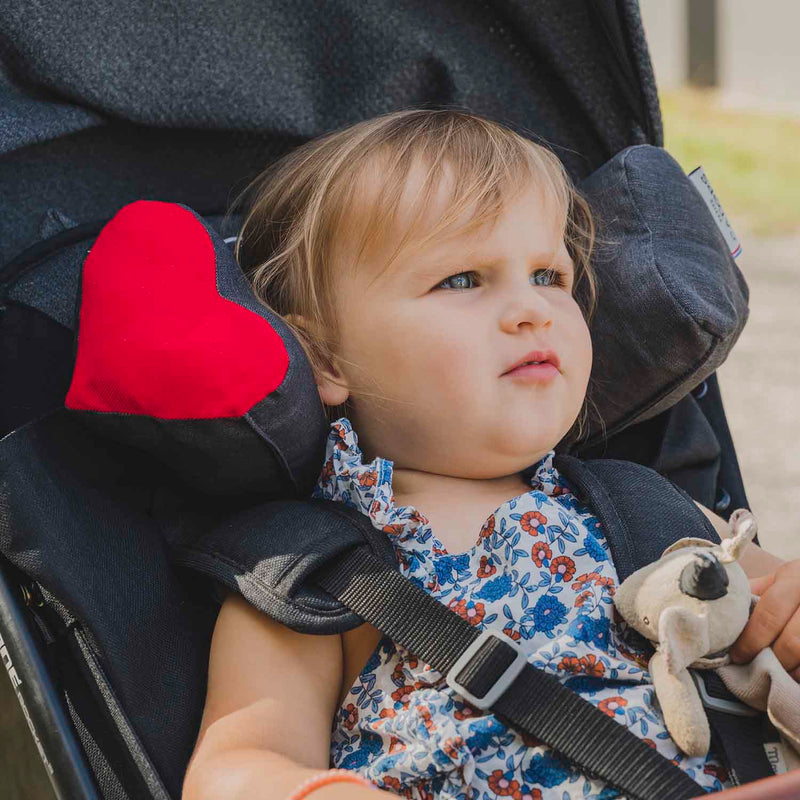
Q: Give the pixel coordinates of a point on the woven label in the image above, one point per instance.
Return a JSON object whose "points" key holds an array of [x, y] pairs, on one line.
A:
{"points": [[777, 761], [701, 182]]}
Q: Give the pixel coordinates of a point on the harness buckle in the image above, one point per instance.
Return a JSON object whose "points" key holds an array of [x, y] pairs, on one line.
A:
{"points": [[735, 707], [477, 651]]}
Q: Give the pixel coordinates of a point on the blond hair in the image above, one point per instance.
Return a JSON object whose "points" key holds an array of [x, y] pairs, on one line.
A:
{"points": [[288, 244]]}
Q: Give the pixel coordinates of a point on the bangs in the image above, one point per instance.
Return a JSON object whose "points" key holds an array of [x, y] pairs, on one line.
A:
{"points": [[420, 186]]}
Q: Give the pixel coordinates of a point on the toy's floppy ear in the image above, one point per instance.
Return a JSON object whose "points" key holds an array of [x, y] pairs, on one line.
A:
{"points": [[743, 528], [687, 541], [682, 637]]}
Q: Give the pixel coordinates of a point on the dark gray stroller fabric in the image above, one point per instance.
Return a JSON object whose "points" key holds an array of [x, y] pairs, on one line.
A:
{"points": [[672, 300], [102, 105]]}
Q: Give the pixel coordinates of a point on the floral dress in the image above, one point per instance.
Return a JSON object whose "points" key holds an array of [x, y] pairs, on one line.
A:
{"points": [[540, 572]]}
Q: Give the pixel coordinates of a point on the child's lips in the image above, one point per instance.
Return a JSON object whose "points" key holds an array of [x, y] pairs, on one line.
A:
{"points": [[534, 373], [546, 358]]}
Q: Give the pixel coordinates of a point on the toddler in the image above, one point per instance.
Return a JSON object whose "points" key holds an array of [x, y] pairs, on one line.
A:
{"points": [[436, 267]]}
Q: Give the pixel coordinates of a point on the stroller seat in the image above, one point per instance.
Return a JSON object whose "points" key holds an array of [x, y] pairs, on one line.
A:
{"points": [[101, 520]]}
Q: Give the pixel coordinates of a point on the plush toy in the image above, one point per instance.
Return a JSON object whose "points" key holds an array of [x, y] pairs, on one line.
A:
{"points": [[692, 604]]}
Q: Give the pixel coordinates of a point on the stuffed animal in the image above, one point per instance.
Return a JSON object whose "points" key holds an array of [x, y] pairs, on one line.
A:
{"points": [[692, 604]]}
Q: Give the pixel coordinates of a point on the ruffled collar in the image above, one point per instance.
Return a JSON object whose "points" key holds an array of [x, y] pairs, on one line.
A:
{"points": [[368, 488]]}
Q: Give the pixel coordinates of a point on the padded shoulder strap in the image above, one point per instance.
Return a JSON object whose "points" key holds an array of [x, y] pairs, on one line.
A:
{"points": [[269, 554], [641, 512]]}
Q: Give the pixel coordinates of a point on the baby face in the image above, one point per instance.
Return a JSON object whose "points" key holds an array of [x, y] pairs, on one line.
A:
{"points": [[439, 332]]}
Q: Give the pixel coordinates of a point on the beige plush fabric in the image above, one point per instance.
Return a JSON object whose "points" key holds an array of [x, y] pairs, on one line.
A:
{"points": [[765, 684]]}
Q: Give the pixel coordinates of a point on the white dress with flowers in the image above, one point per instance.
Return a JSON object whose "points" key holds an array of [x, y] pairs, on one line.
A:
{"points": [[540, 573]]}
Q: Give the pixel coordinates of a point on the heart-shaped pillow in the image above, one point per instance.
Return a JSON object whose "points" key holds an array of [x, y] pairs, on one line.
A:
{"points": [[176, 355]]}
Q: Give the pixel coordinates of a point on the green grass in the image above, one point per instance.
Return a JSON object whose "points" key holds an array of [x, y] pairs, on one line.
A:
{"points": [[752, 159]]}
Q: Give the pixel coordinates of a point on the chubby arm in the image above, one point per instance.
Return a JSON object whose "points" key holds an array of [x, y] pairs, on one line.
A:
{"points": [[775, 621], [271, 698]]}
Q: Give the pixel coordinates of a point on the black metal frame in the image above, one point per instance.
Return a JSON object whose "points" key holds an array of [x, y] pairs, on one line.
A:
{"points": [[22, 653]]}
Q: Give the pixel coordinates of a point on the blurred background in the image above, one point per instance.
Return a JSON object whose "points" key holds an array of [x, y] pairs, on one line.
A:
{"points": [[727, 72], [727, 77]]}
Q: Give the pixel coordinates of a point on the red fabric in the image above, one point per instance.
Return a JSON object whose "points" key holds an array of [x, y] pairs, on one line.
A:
{"points": [[156, 338]]}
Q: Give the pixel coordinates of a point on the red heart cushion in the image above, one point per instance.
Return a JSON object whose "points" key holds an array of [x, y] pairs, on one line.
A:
{"points": [[156, 338]]}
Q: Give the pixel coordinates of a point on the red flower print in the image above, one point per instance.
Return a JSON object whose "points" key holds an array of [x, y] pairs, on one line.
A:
{"points": [[350, 716], [530, 741], [452, 746], [526, 793], [390, 782], [570, 664], [368, 478], [563, 567], [582, 598], [591, 666], [387, 713], [540, 553], [401, 695], [398, 675], [533, 522], [612, 705], [395, 529], [502, 785], [488, 528], [425, 713], [465, 713], [583, 581], [650, 743], [559, 490], [413, 662], [486, 568], [327, 469], [717, 770], [512, 634], [467, 609]]}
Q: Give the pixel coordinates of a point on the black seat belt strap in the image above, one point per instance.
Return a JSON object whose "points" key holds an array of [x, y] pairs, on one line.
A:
{"points": [[490, 671], [738, 731]]}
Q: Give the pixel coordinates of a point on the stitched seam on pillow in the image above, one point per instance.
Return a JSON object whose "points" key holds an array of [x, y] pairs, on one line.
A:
{"points": [[276, 452]]}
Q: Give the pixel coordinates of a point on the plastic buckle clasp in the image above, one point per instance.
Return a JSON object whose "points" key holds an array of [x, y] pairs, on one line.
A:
{"points": [[500, 685], [719, 704]]}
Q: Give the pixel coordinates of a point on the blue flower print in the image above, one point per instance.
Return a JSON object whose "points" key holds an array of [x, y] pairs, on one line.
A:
{"points": [[451, 569], [370, 745], [495, 589], [548, 612], [547, 770], [539, 574], [590, 629], [594, 548]]}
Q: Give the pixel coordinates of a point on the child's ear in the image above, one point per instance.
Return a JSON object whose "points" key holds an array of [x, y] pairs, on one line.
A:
{"points": [[331, 381]]}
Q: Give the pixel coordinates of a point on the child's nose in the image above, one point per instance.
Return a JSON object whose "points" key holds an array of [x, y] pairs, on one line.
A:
{"points": [[526, 308]]}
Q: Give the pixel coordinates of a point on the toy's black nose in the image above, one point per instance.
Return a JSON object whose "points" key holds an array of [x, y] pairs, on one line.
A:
{"points": [[704, 578]]}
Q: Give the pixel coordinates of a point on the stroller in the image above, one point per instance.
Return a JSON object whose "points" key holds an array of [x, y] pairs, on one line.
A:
{"points": [[105, 632]]}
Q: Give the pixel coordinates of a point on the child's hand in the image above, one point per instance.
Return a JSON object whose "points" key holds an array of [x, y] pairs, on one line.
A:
{"points": [[775, 619]]}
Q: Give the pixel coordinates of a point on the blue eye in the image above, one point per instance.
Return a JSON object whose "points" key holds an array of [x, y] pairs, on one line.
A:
{"points": [[554, 277], [458, 281]]}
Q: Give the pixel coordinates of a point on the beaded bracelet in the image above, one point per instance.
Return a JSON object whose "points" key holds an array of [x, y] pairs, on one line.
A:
{"points": [[329, 776]]}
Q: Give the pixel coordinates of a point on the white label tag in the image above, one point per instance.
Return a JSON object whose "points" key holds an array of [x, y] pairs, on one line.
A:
{"points": [[774, 752], [701, 182]]}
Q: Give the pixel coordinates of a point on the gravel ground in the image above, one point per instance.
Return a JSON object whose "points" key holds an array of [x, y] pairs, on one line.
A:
{"points": [[760, 385]]}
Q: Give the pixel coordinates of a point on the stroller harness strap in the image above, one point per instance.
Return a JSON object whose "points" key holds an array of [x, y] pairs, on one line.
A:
{"points": [[641, 513], [482, 666]]}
